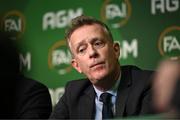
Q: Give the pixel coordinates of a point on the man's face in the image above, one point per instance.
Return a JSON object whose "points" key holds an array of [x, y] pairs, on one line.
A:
{"points": [[94, 53]]}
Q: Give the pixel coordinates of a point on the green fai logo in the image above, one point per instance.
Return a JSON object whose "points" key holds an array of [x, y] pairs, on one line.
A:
{"points": [[59, 58], [116, 12], [169, 42], [13, 22]]}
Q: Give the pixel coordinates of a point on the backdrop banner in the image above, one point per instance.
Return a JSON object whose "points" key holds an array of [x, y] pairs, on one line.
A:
{"points": [[147, 31]]}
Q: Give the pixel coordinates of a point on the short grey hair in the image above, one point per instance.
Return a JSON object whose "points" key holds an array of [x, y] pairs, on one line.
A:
{"points": [[82, 20]]}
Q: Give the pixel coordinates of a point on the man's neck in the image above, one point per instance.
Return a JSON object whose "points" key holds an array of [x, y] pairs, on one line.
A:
{"points": [[108, 82]]}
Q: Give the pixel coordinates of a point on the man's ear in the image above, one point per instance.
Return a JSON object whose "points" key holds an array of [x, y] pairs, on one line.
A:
{"points": [[75, 64], [117, 49]]}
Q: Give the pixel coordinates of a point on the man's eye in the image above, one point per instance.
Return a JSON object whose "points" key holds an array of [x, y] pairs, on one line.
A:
{"points": [[81, 50], [99, 44]]}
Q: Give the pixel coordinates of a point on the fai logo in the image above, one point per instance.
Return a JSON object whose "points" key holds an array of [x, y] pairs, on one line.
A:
{"points": [[117, 13], [13, 22], [59, 58], [169, 42]]}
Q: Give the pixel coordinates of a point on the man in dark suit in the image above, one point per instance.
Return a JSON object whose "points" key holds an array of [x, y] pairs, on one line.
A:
{"points": [[21, 97], [94, 53]]}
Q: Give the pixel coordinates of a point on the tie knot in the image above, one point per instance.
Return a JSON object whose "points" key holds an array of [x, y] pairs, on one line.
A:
{"points": [[105, 98]]}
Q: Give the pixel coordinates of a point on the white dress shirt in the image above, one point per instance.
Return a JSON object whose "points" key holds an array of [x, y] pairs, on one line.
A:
{"points": [[99, 104]]}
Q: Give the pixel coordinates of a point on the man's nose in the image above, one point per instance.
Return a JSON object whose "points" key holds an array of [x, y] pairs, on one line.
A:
{"points": [[92, 52]]}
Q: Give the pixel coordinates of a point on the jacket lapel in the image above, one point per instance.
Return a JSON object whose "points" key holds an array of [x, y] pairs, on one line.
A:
{"points": [[123, 91], [88, 104]]}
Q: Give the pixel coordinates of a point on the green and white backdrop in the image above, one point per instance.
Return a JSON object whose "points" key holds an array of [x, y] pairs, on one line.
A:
{"points": [[147, 30]]}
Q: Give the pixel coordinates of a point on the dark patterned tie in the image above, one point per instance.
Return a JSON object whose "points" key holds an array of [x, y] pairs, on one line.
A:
{"points": [[107, 106]]}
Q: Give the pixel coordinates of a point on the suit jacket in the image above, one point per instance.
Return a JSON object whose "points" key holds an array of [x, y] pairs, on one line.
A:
{"points": [[25, 98], [133, 96]]}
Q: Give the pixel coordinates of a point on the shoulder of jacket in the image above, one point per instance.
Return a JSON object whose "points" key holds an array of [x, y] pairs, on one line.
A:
{"points": [[138, 75], [134, 68]]}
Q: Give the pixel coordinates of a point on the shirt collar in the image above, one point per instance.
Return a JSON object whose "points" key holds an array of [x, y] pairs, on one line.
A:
{"points": [[112, 91]]}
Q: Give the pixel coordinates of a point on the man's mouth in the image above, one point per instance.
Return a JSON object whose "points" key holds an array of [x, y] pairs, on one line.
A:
{"points": [[97, 64]]}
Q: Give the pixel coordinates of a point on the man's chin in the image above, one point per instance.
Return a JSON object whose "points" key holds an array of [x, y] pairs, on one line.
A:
{"points": [[98, 78]]}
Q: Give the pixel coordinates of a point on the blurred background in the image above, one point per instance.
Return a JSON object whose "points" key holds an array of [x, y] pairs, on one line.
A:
{"points": [[147, 31]]}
